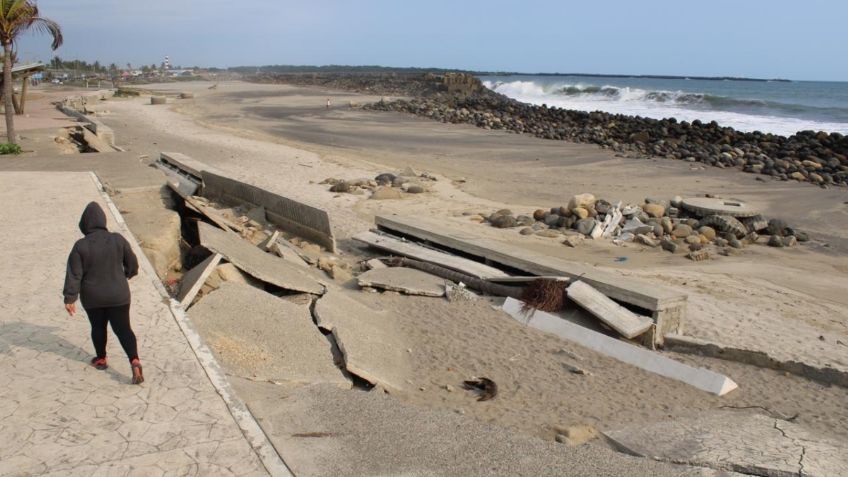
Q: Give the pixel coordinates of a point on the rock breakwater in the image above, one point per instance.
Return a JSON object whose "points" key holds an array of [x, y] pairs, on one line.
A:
{"points": [[817, 157]]}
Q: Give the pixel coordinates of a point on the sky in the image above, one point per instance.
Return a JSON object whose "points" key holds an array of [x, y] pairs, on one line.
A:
{"points": [[793, 39]]}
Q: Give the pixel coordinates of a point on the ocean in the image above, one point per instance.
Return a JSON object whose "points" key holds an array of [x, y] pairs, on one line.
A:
{"points": [[769, 106]]}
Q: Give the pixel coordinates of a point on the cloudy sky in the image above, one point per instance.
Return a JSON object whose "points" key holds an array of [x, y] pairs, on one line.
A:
{"points": [[760, 38]]}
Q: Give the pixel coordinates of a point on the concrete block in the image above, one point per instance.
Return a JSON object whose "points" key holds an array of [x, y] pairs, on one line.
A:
{"points": [[653, 362], [296, 217], [413, 250], [255, 262], [195, 278], [404, 280], [622, 320]]}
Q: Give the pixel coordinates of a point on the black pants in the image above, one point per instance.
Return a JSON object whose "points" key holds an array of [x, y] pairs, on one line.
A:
{"points": [[119, 317]]}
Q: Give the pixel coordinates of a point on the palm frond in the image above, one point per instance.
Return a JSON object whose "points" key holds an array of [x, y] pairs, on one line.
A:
{"points": [[45, 25], [17, 16]]}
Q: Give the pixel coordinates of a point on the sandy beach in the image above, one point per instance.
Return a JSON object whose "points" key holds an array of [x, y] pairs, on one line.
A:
{"points": [[789, 303]]}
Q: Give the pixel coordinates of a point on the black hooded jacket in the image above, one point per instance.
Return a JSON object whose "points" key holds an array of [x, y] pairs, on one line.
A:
{"points": [[99, 264]]}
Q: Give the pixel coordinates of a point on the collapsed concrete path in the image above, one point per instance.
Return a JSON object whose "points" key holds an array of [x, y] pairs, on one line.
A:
{"points": [[58, 415]]}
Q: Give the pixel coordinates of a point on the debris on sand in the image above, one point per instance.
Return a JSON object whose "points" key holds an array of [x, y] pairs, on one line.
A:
{"points": [[687, 225], [486, 388], [407, 180]]}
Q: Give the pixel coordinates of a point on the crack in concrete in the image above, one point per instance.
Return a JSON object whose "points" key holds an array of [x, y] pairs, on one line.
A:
{"points": [[803, 449]]}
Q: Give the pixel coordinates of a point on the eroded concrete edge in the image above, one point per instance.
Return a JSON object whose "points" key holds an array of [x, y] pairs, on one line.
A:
{"points": [[761, 359], [253, 433]]}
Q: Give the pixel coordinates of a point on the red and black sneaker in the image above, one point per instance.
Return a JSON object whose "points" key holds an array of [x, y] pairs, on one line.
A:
{"points": [[99, 363], [137, 375]]}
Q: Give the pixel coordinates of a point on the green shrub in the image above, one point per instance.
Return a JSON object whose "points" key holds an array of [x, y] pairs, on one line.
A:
{"points": [[9, 148]]}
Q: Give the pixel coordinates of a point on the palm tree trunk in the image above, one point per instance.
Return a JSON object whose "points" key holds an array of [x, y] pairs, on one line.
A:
{"points": [[22, 102], [8, 91]]}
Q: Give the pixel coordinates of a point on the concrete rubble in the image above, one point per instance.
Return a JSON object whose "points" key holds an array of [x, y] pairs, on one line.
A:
{"points": [[251, 259]]}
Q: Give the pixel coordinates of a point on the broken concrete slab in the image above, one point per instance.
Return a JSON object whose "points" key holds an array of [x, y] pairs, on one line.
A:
{"points": [[259, 336], [704, 206], [404, 280], [256, 214], [703, 379], [375, 264], [193, 281], [371, 347], [622, 320], [413, 250], [296, 217], [255, 262], [287, 254], [667, 306], [752, 444], [824, 374]]}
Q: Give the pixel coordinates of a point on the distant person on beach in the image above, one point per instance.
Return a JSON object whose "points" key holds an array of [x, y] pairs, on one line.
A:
{"points": [[98, 269], [328, 103]]}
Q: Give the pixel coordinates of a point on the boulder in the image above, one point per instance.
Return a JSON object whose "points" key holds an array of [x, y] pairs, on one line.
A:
{"points": [[682, 231], [385, 179], [707, 232], [586, 201], [540, 214], [503, 221], [654, 210], [580, 212], [776, 227], [585, 226]]}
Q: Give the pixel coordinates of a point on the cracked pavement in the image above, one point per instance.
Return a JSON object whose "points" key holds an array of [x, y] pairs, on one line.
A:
{"points": [[58, 415], [738, 442]]}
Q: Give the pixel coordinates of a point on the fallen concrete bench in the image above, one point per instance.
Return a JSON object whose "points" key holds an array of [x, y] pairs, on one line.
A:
{"points": [[666, 307]]}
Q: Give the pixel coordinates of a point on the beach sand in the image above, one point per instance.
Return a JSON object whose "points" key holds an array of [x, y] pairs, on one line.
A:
{"points": [[282, 138]]}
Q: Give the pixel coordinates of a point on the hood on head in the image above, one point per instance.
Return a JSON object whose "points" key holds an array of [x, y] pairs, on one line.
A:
{"points": [[93, 218]]}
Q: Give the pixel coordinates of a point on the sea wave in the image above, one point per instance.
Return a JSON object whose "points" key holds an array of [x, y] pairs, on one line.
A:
{"points": [[741, 113]]}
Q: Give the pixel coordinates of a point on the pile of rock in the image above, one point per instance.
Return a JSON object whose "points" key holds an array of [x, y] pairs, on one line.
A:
{"points": [[386, 185], [677, 225], [819, 158], [393, 83]]}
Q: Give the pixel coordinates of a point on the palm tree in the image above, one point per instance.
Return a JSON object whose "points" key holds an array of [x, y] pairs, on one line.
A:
{"points": [[16, 17]]}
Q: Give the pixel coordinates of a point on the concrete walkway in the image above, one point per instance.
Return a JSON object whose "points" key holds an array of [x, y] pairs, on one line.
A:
{"points": [[58, 415]]}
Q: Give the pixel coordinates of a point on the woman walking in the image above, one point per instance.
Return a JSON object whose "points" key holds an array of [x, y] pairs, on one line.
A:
{"points": [[98, 269]]}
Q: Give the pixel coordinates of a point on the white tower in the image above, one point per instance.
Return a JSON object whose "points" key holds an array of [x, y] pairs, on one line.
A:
{"points": [[167, 62]]}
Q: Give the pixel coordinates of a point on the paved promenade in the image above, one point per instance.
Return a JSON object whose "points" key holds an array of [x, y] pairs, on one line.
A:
{"points": [[58, 415]]}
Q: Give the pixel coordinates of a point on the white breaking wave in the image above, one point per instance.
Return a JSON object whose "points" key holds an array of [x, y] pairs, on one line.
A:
{"points": [[683, 106]]}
